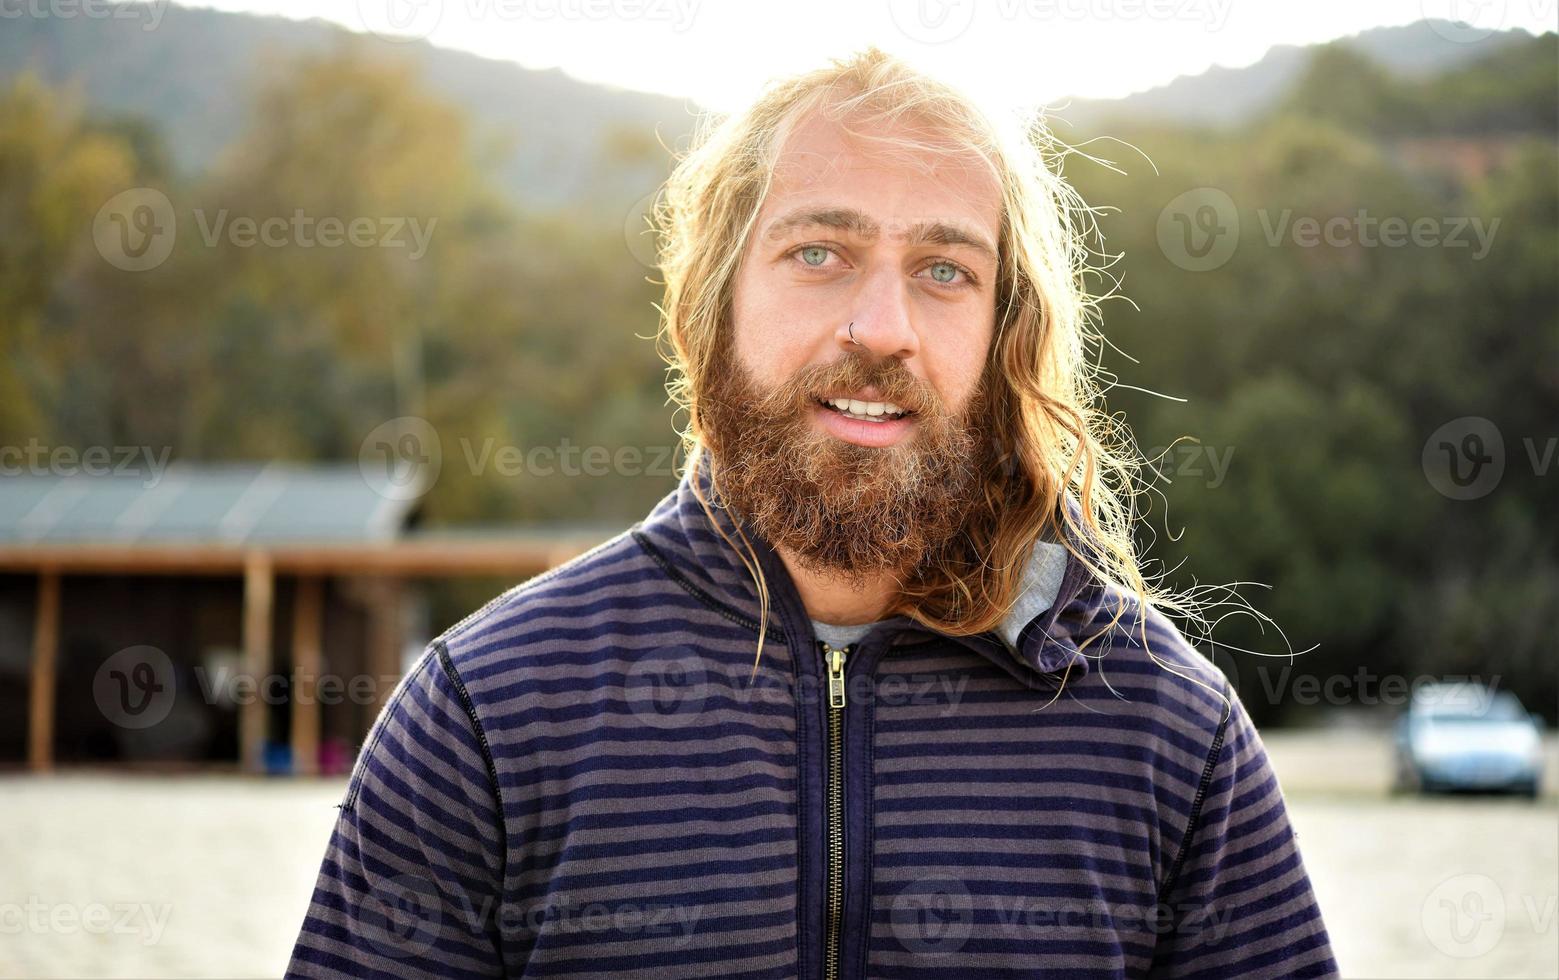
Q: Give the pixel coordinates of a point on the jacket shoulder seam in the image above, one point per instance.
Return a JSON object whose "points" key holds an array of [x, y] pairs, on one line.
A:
{"points": [[715, 605], [1193, 821], [453, 675]]}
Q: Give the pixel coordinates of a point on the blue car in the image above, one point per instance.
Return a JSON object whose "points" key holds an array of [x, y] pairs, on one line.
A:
{"points": [[1461, 736]]}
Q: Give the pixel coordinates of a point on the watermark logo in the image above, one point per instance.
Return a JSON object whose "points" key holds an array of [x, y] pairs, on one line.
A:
{"points": [[1464, 916], [668, 689], [933, 915], [931, 21], [1464, 459], [135, 687], [135, 229], [400, 459], [1464, 21], [400, 20], [1199, 230], [639, 234], [401, 916]]}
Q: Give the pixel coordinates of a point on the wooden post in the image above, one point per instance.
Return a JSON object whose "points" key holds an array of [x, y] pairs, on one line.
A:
{"points": [[259, 588], [307, 661], [385, 638], [45, 645]]}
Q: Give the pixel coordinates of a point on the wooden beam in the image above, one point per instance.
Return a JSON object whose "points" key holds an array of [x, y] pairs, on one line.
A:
{"points": [[307, 662], [428, 558], [259, 589], [45, 647]]}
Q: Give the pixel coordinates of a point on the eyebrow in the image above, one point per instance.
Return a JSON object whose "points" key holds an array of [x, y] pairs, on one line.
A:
{"points": [[859, 223]]}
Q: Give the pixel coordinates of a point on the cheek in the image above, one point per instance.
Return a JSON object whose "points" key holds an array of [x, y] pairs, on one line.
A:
{"points": [[774, 336], [955, 365], [755, 337], [746, 333]]}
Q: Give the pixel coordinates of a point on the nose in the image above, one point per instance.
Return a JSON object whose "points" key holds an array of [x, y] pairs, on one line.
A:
{"points": [[881, 324]]}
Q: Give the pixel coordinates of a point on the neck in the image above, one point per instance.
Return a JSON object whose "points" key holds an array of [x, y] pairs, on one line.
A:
{"points": [[832, 599]]}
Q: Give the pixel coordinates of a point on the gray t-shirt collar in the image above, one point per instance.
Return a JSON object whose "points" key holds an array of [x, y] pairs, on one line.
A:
{"points": [[1037, 593]]}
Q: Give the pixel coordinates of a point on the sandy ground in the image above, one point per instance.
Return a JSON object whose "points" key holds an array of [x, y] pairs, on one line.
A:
{"points": [[157, 876], [1422, 887], [205, 876]]}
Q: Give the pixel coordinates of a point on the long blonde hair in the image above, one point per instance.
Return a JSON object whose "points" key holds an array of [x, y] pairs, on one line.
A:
{"points": [[1047, 405]]}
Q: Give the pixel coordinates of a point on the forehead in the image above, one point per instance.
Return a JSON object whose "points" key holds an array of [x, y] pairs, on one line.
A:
{"points": [[821, 163]]}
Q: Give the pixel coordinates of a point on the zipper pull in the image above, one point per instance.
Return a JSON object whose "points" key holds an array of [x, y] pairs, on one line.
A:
{"points": [[835, 661]]}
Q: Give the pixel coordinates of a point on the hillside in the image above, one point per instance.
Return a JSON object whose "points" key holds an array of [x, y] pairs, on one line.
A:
{"points": [[191, 78], [1225, 97]]}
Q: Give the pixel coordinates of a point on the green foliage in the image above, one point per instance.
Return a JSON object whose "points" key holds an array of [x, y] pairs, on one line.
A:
{"points": [[1508, 91], [237, 349], [1320, 370], [1313, 372]]}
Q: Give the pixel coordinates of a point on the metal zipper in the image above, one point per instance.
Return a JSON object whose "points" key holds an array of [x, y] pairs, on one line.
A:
{"points": [[833, 901]]}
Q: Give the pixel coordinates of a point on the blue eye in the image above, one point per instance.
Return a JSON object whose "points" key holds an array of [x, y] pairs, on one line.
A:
{"points": [[945, 272]]}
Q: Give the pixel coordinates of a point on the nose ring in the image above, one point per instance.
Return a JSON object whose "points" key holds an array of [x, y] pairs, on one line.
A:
{"points": [[852, 334]]}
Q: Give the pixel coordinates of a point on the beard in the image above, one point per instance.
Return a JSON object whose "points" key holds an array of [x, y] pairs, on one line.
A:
{"points": [[841, 509]]}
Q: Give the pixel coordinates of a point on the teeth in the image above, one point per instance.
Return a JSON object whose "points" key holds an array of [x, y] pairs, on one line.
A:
{"points": [[861, 409]]}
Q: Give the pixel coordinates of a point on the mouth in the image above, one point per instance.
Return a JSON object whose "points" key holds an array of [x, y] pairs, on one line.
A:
{"points": [[876, 425], [864, 411]]}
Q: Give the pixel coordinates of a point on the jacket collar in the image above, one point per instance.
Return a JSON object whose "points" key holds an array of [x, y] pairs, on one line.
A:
{"points": [[1036, 643]]}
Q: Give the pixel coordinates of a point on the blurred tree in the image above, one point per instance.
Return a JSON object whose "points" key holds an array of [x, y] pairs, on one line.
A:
{"points": [[1319, 369], [54, 175], [1312, 372]]}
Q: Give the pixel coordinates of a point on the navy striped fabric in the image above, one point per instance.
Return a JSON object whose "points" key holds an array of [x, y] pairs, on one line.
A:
{"points": [[586, 778]]}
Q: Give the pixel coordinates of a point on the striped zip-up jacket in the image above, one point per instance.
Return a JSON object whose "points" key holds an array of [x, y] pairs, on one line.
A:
{"points": [[586, 777]]}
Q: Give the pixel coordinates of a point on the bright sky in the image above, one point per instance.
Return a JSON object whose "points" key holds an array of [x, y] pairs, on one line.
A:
{"points": [[719, 52]]}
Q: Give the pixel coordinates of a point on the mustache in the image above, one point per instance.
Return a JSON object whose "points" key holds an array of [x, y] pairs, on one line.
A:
{"points": [[854, 371]]}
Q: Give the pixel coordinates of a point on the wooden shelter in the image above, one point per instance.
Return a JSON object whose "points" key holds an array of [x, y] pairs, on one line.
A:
{"points": [[297, 578]]}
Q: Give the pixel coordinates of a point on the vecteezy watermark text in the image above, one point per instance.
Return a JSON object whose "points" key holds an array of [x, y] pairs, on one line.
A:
{"points": [[568, 459], [1199, 230], [38, 459], [1369, 231], [306, 231], [98, 918], [135, 230], [149, 13]]}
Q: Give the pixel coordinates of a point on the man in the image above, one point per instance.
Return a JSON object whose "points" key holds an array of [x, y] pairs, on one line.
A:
{"points": [[877, 691]]}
